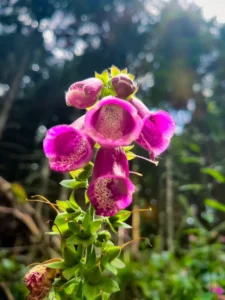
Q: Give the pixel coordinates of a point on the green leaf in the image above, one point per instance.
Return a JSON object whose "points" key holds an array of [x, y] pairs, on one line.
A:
{"points": [[19, 192], [85, 172], [70, 255], [93, 275], [110, 286], [191, 160], [131, 76], [79, 291], [113, 252], [96, 225], [86, 197], [122, 225], [114, 71], [73, 202], [70, 288], [70, 272], [56, 265], [73, 184], [75, 239], [195, 148], [215, 204], [191, 187], [123, 215], [74, 226], [124, 71], [90, 291], [63, 205], [91, 255], [97, 75], [55, 295], [111, 226], [130, 155], [111, 268], [208, 296], [218, 176], [105, 76], [128, 148], [117, 263], [87, 221]]}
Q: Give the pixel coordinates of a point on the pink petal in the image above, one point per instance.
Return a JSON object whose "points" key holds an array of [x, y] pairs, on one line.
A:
{"points": [[113, 122], [110, 190], [67, 148], [157, 131], [164, 122], [83, 94]]}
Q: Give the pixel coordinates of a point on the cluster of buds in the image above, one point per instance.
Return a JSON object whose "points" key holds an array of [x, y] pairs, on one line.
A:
{"points": [[114, 118]]}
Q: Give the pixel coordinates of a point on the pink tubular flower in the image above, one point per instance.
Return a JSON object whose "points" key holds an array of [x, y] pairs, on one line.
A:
{"points": [[83, 94], [110, 189], [123, 85], [68, 147], [217, 290], [113, 122], [157, 131]]}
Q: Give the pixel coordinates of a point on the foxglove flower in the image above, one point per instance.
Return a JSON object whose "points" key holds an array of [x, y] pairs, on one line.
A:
{"points": [[39, 281], [68, 147], [157, 131], [113, 122], [83, 94], [123, 85], [110, 189]]}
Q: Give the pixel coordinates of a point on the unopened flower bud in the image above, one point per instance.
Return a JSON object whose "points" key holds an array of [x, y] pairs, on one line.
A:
{"points": [[83, 94], [39, 281], [123, 85], [103, 236]]}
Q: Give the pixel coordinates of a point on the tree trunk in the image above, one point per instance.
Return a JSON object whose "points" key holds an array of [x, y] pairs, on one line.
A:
{"points": [[169, 203], [13, 91]]}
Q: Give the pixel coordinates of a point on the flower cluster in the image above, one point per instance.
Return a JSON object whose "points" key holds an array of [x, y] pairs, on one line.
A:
{"points": [[115, 118]]}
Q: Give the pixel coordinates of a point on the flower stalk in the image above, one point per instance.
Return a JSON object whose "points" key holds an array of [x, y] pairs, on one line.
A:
{"points": [[114, 119]]}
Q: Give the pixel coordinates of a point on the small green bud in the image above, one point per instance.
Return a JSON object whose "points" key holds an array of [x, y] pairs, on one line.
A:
{"points": [[103, 236]]}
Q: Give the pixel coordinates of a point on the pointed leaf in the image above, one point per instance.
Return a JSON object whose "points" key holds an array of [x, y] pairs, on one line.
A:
{"points": [[218, 176], [215, 204], [111, 268], [130, 155], [73, 184], [117, 263], [114, 71], [110, 286], [105, 76], [96, 225]]}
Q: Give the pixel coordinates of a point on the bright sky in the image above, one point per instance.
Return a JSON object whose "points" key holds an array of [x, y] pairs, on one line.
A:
{"points": [[212, 8]]}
